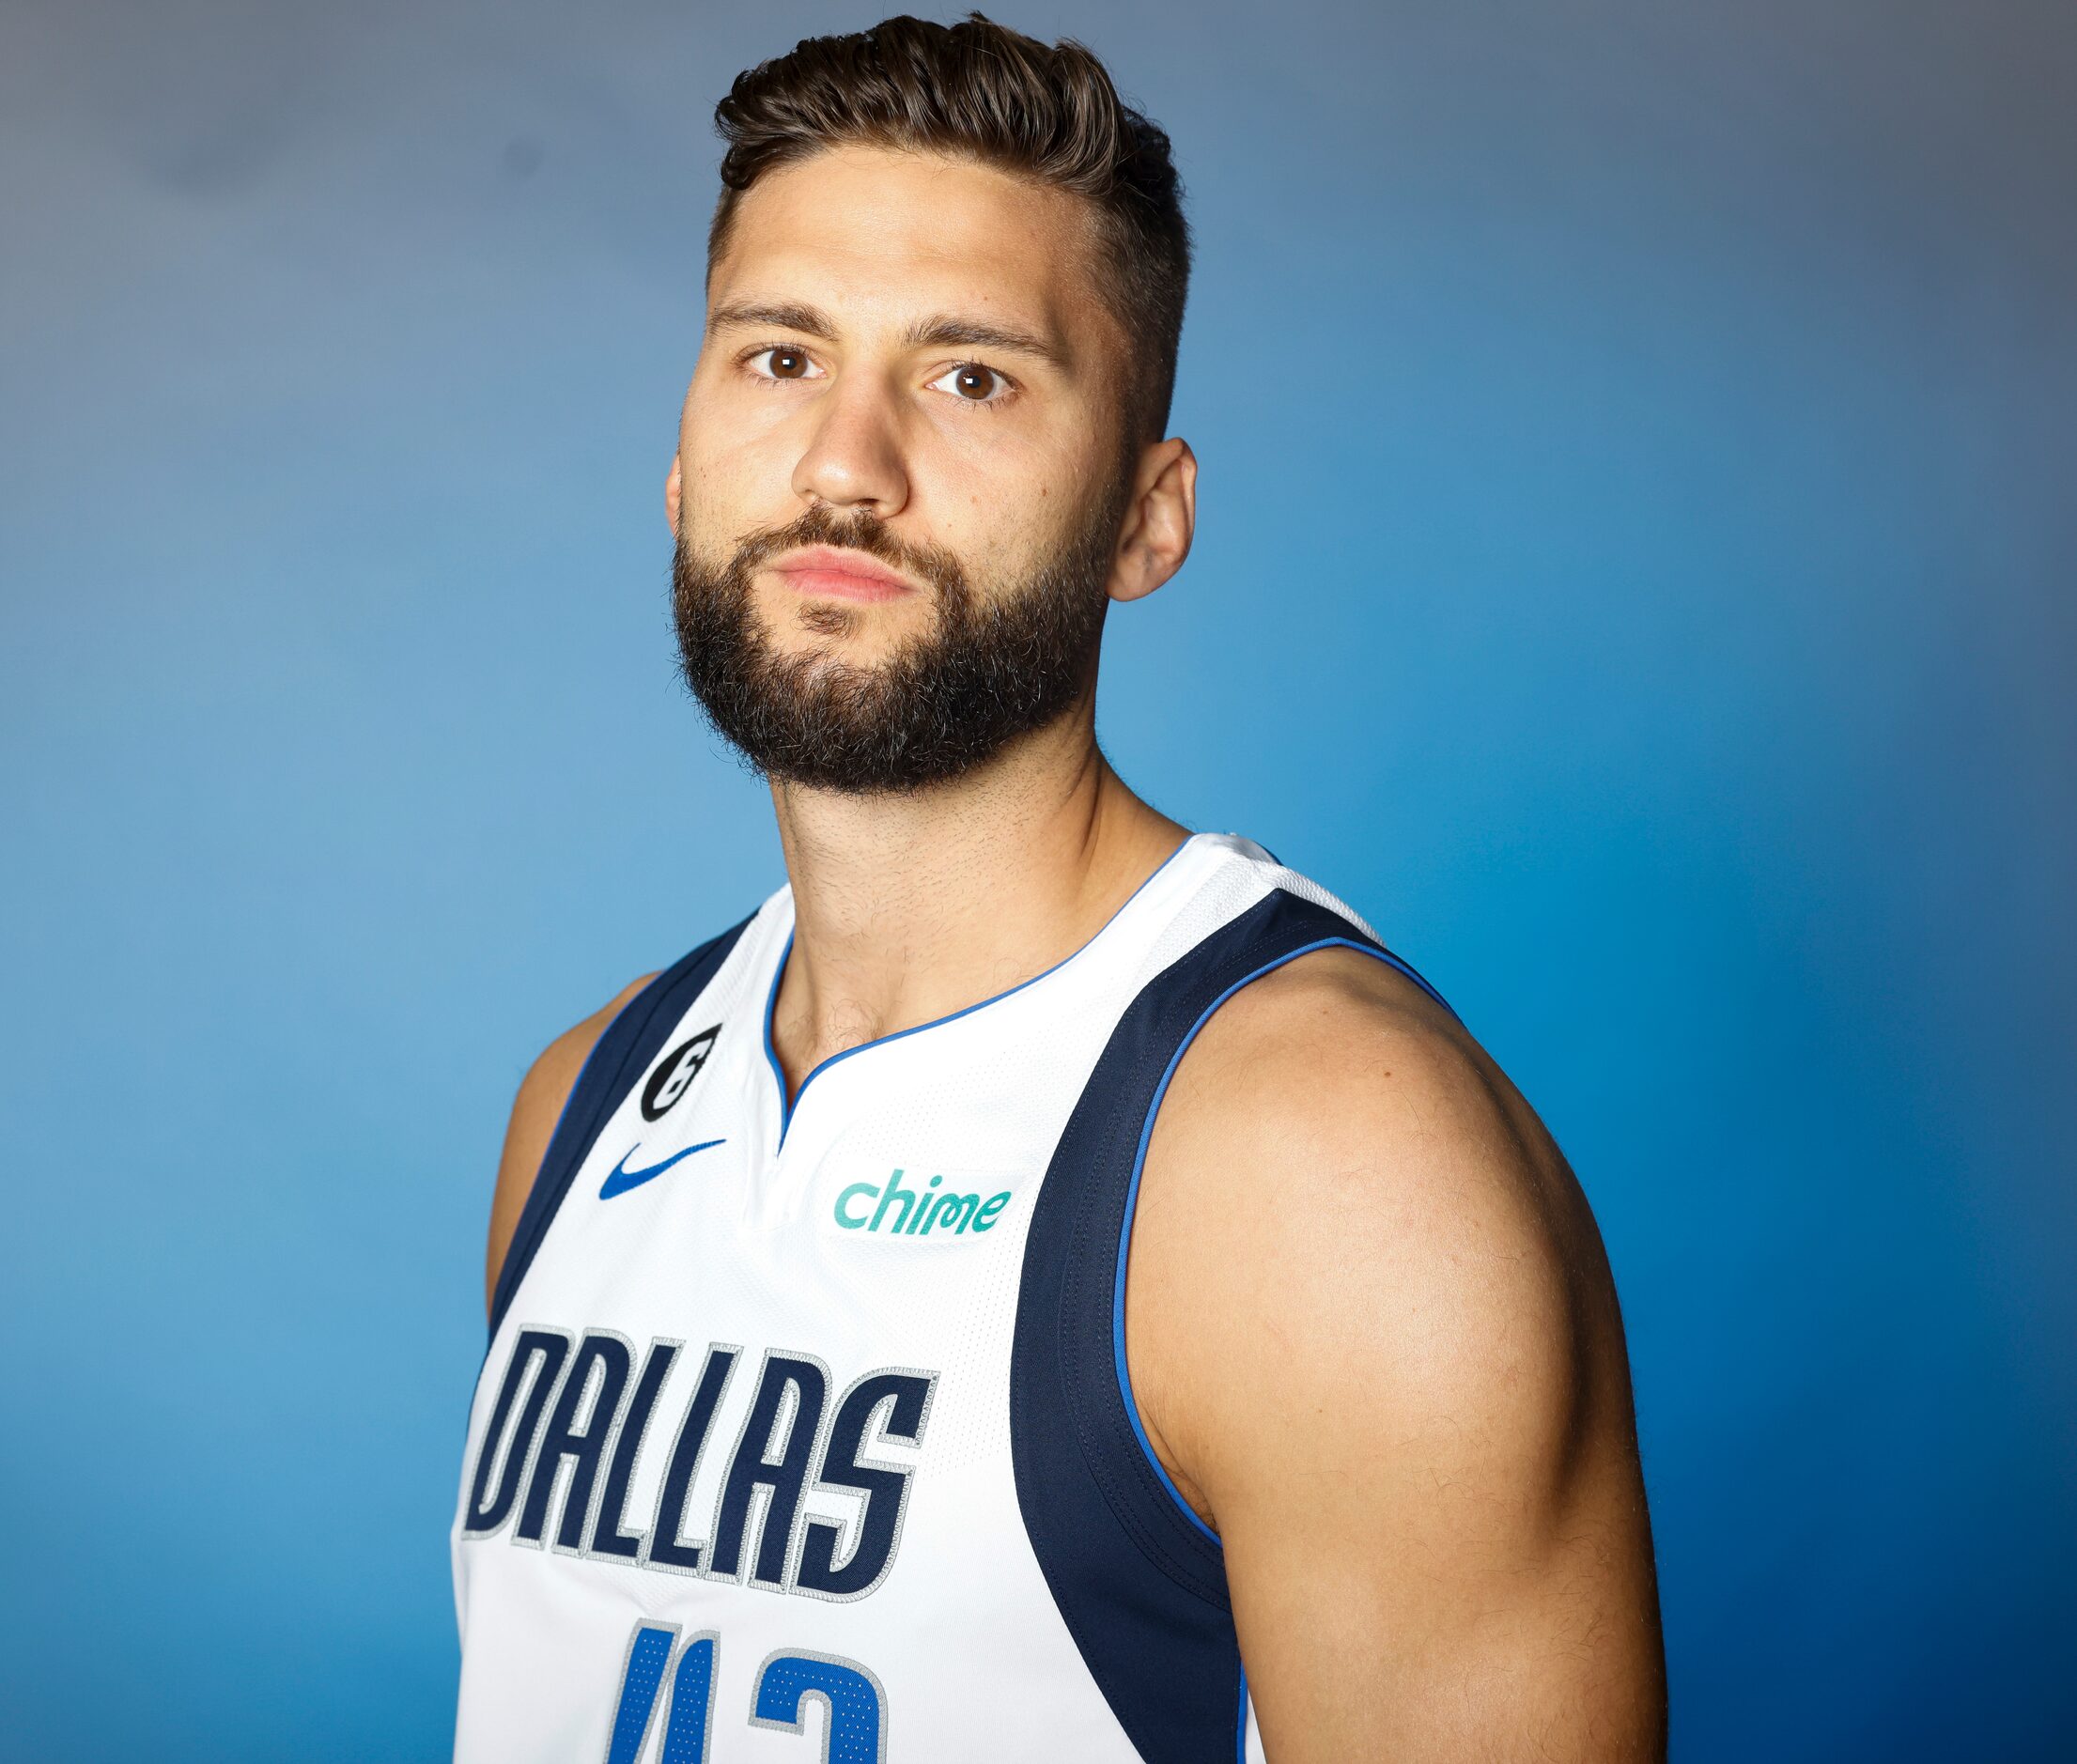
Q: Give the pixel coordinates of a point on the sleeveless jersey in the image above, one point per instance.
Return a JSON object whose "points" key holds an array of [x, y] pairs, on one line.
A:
{"points": [[810, 1428]]}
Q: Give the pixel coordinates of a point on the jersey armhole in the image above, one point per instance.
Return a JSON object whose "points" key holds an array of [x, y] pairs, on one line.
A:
{"points": [[1348, 940], [628, 1043], [1137, 1577]]}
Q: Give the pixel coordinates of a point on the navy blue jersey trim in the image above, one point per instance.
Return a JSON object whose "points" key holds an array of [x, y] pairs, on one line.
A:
{"points": [[1363, 946], [1138, 1578], [634, 1037]]}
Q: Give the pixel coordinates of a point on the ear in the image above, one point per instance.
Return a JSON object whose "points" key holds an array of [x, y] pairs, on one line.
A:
{"points": [[673, 485], [1159, 524]]}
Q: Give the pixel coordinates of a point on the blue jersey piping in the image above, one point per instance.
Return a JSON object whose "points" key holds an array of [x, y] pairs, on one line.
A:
{"points": [[569, 1096], [786, 1110], [1132, 1202], [533, 1221]]}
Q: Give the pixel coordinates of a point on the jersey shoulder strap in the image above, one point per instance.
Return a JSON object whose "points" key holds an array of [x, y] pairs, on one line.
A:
{"points": [[1138, 1578], [631, 1042]]}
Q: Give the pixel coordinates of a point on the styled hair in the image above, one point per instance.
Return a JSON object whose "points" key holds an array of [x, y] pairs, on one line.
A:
{"points": [[980, 91]]}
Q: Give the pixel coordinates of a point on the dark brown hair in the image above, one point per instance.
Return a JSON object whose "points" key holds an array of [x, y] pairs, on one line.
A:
{"points": [[978, 90]]}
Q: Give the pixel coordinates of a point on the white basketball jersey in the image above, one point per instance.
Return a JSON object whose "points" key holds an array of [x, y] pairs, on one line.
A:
{"points": [[807, 1433]]}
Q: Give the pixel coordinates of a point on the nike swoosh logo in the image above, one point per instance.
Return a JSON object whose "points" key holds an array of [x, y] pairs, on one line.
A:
{"points": [[624, 1179]]}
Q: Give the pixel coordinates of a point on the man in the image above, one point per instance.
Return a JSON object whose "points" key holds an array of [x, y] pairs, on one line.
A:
{"points": [[1046, 1285]]}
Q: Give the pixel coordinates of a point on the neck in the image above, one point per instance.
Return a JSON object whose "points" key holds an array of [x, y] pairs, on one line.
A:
{"points": [[907, 908]]}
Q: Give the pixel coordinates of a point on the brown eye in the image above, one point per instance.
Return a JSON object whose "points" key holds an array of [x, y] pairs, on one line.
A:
{"points": [[974, 381], [788, 364]]}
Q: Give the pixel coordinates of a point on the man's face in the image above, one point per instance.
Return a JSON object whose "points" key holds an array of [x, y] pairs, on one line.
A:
{"points": [[901, 467]]}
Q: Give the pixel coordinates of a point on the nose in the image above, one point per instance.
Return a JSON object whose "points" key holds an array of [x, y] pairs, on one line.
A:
{"points": [[854, 458]]}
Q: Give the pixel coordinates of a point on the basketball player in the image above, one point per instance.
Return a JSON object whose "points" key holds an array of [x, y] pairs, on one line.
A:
{"points": [[1046, 1285]]}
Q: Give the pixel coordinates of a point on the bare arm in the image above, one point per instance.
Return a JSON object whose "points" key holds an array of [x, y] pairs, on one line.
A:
{"points": [[1373, 1336], [535, 1112]]}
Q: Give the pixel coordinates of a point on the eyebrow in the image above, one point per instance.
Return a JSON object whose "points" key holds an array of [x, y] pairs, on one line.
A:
{"points": [[950, 332], [943, 331], [779, 315]]}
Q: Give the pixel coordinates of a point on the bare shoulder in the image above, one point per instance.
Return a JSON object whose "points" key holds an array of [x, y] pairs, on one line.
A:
{"points": [[1372, 1336], [535, 1112], [1374, 1103], [1344, 1191]]}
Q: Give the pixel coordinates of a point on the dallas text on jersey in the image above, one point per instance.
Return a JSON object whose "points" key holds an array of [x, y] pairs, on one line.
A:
{"points": [[572, 1421]]}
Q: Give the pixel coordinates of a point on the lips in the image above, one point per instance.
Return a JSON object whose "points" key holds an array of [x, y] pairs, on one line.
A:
{"points": [[828, 572]]}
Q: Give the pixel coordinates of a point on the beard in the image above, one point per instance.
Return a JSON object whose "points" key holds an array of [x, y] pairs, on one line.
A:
{"points": [[994, 667]]}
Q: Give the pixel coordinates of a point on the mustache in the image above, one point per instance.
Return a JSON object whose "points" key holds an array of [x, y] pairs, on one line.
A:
{"points": [[858, 530]]}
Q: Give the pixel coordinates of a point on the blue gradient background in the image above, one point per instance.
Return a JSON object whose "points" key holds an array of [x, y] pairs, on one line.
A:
{"points": [[1637, 569]]}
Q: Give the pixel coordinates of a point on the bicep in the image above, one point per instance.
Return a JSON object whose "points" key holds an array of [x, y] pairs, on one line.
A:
{"points": [[535, 1112], [1446, 1562]]}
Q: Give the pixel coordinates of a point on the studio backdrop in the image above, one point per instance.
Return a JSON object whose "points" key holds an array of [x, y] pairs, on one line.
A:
{"points": [[1636, 571]]}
